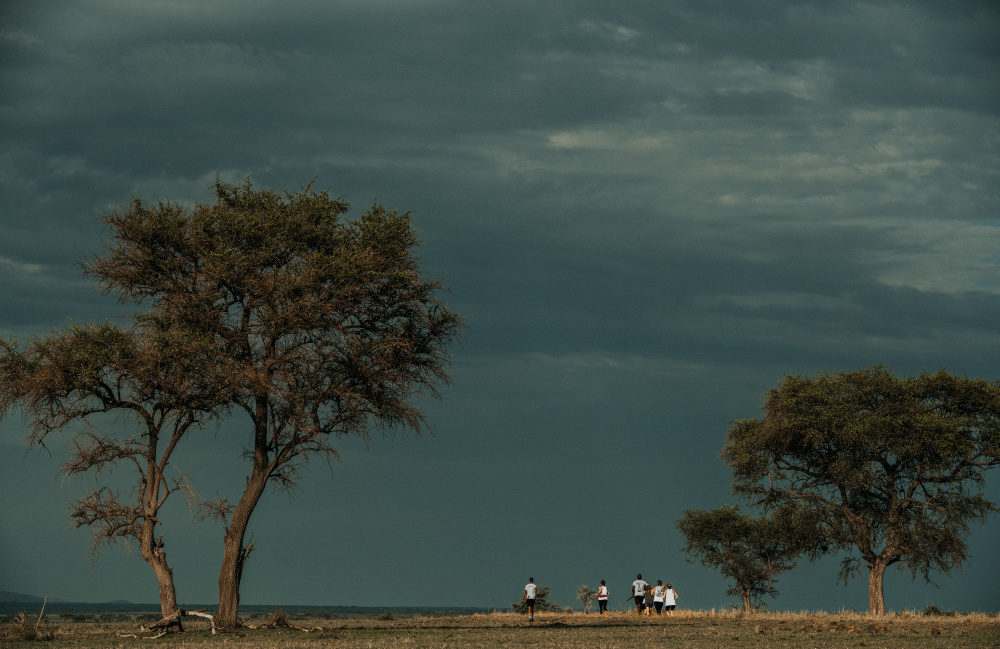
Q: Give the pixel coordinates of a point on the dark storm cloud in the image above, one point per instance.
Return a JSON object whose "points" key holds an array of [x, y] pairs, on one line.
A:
{"points": [[647, 213]]}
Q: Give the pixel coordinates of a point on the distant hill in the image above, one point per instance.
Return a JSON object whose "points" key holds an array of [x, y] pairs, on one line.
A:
{"points": [[11, 603], [7, 596]]}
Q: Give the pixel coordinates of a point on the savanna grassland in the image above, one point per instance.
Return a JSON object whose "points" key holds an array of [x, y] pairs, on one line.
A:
{"points": [[692, 629]]}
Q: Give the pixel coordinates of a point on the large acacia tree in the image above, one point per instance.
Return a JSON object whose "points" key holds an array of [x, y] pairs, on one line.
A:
{"points": [[320, 326], [121, 397], [891, 468]]}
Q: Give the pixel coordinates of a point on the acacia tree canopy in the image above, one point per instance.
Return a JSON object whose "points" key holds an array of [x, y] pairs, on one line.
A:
{"points": [[890, 468], [76, 382], [750, 551], [321, 327]]}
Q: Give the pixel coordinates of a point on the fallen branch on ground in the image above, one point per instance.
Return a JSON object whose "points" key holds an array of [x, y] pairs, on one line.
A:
{"points": [[145, 637], [279, 621], [282, 625]]}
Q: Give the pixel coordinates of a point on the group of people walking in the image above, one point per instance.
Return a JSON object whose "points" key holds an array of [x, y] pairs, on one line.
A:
{"points": [[646, 596]]}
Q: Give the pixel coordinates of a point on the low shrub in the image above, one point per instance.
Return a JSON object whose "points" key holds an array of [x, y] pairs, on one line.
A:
{"points": [[25, 629], [278, 618], [111, 618], [934, 610], [75, 617]]}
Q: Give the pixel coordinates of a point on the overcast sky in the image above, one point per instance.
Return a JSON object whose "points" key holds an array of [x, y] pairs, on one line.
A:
{"points": [[648, 213]]}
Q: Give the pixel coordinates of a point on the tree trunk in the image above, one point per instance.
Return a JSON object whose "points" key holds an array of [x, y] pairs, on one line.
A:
{"points": [[152, 552], [876, 599], [234, 554], [747, 606]]}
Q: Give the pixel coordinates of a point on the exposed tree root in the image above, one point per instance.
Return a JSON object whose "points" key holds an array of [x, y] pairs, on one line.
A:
{"points": [[171, 621]]}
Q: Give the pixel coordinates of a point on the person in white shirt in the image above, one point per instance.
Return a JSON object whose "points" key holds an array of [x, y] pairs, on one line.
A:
{"points": [[529, 598], [670, 600], [658, 596], [638, 592], [602, 598]]}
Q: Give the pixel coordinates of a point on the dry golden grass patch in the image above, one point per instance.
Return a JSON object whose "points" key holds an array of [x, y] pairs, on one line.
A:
{"points": [[687, 629], [24, 628]]}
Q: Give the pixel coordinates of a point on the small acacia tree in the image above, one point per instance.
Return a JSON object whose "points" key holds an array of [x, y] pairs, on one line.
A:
{"points": [[889, 468], [320, 327], [587, 596], [750, 551], [122, 396]]}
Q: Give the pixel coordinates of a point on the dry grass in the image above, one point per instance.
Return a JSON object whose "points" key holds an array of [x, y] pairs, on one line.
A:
{"points": [[24, 629], [687, 629]]}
